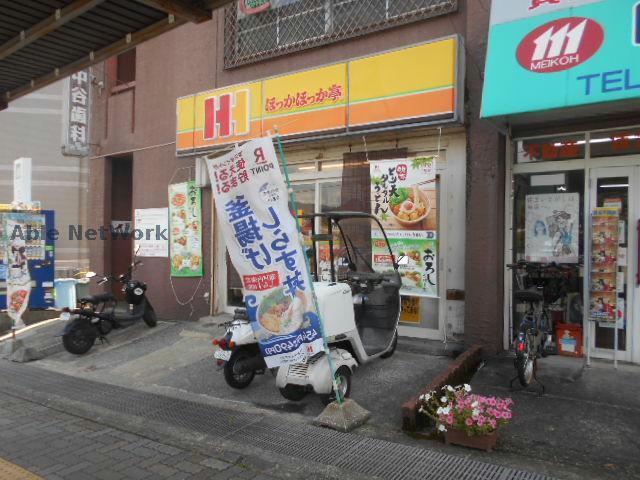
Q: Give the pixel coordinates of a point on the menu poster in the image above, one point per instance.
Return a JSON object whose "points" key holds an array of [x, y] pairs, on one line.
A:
{"points": [[404, 199], [604, 256], [185, 230], [416, 253]]}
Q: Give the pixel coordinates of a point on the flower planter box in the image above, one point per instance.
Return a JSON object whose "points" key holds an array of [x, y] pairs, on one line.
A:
{"points": [[460, 437]]}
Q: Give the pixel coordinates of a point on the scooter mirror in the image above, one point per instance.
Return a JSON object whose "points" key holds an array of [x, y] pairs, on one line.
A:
{"points": [[89, 274]]}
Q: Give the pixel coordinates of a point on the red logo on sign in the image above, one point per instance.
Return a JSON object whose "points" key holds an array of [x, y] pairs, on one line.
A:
{"points": [[401, 171], [261, 281], [560, 45]]}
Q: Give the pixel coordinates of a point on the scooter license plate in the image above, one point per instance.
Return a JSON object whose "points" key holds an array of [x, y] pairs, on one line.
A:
{"points": [[222, 355]]}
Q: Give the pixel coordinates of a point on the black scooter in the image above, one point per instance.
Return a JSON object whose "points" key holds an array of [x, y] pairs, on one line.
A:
{"points": [[96, 315]]}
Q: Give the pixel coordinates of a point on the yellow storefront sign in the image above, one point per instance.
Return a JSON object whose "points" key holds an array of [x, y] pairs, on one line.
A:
{"points": [[309, 101], [410, 84]]}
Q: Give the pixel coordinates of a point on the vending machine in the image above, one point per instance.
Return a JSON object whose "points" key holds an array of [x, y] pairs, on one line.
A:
{"points": [[36, 229]]}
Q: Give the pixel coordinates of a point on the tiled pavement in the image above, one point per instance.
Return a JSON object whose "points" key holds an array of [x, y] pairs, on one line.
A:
{"points": [[56, 445]]}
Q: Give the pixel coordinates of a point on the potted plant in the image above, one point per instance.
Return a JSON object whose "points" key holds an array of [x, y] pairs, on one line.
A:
{"points": [[467, 419]]}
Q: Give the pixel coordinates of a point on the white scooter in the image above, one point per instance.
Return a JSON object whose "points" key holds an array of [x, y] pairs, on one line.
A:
{"points": [[359, 307]]}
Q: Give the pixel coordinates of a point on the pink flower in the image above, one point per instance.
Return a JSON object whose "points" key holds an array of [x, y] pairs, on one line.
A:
{"points": [[493, 423], [481, 421], [492, 401], [468, 422], [507, 415], [450, 419]]}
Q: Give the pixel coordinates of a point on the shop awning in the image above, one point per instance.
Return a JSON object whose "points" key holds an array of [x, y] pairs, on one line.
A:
{"points": [[42, 41]]}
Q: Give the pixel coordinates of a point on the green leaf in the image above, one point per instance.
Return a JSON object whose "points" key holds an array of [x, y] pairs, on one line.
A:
{"points": [[420, 162]]}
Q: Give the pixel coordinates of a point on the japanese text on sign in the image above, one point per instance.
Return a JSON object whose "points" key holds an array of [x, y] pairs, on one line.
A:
{"points": [[264, 246], [77, 134], [304, 99]]}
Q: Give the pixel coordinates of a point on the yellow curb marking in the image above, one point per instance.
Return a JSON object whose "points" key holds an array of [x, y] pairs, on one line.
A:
{"points": [[11, 471]]}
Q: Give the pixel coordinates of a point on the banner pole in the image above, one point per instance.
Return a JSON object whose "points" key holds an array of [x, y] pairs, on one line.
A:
{"points": [[292, 199]]}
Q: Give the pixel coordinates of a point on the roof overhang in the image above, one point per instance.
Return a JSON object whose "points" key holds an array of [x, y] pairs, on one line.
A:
{"points": [[42, 41]]}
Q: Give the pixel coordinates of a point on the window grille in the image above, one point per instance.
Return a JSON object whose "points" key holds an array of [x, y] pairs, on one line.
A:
{"points": [[294, 25]]}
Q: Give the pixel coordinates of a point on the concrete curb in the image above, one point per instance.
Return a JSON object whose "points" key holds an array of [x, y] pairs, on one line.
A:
{"points": [[453, 375]]}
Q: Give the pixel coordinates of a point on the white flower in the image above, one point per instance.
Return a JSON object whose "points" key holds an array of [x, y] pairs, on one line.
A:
{"points": [[450, 388], [475, 413], [444, 399], [427, 396], [474, 404], [467, 387], [446, 410], [442, 428], [439, 411]]}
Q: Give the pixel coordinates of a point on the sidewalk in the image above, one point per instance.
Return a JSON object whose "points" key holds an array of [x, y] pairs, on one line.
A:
{"points": [[58, 446], [259, 440], [589, 416], [177, 357]]}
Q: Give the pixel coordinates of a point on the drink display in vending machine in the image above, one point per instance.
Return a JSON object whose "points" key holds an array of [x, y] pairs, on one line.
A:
{"points": [[25, 235]]}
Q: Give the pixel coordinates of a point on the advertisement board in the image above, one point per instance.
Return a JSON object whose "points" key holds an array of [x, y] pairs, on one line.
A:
{"points": [[417, 83], [404, 198], [552, 222], [604, 267], [262, 239], [576, 52], [185, 230], [150, 229]]}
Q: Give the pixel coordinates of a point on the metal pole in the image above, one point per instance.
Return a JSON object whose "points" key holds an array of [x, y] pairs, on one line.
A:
{"points": [[294, 204]]}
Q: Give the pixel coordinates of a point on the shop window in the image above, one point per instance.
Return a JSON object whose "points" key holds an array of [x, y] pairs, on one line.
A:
{"points": [[614, 143], [569, 147], [255, 31], [548, 228]]}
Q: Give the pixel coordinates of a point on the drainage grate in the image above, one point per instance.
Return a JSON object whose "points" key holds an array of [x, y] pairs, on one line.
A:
{"points": [[367, 456]]}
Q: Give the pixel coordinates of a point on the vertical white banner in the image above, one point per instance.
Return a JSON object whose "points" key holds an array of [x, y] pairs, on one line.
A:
{"points": [[262, 238]]}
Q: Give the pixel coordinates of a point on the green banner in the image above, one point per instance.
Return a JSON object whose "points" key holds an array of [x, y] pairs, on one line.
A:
{"points": [[185, 230]]}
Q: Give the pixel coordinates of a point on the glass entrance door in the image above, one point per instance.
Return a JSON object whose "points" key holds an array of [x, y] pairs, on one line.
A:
{"points": [[613, 259]]}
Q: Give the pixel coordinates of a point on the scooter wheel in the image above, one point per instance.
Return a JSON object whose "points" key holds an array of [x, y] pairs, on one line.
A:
{"points": [[343, 376], [231, 375], [78, 341], [294, 393], [392, 348]]}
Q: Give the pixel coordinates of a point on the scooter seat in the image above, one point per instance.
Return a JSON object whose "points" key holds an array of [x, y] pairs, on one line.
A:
{"points": [[100, 298]]}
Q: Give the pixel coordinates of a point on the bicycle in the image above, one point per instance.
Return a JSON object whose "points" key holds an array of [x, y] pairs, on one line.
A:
{"points": [[534, 329]]}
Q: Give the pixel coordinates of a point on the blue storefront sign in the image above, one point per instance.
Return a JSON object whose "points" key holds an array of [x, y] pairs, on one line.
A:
{"points": [[546, 55]]}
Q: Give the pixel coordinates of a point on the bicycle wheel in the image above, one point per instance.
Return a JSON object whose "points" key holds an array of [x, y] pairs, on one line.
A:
{"points": [[525, 362]]}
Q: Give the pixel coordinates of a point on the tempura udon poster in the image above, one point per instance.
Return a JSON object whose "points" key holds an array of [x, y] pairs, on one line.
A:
{"points": [[262, 239], [404, 198], [552, 223], [403, 193]]}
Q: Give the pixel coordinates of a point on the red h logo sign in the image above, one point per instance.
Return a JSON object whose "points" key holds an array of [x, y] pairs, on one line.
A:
{"points": [[217, 117], [227, 115]]}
